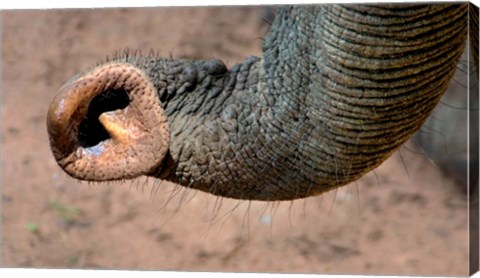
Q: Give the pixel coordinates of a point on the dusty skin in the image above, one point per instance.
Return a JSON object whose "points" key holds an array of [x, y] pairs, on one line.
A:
{"points": [[405, 218]]}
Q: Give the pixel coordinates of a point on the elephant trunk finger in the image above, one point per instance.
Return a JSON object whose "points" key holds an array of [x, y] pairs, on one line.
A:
{"points": [[108, 124]]}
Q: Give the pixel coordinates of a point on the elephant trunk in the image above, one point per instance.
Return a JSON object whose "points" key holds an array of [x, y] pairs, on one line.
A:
{"points": [[339, 89]]}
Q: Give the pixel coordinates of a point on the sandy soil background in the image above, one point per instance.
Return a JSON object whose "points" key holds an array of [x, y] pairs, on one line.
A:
{"points": [[406, 217]]}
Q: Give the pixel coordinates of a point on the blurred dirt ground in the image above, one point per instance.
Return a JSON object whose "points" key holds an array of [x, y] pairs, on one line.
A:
{"points": [[404, 218]]}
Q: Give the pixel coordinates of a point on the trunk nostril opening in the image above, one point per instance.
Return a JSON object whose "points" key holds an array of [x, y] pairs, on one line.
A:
{"points": [[91, 131]]}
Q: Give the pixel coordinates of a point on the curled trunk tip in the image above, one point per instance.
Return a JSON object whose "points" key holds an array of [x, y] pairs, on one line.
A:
{"points": [[108, 124]]}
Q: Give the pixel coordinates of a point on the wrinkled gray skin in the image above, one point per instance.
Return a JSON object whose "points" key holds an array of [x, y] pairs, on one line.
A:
{"points": [[450, 136], [338, 89], [444, 135]]}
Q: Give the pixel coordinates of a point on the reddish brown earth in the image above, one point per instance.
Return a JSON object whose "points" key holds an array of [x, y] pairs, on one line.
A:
{"points": [[404, 218]]}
